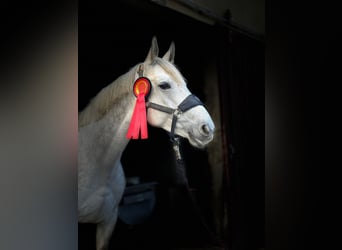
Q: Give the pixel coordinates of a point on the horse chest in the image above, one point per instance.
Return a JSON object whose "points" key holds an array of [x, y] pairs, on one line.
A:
{"points": [[99, 198]]}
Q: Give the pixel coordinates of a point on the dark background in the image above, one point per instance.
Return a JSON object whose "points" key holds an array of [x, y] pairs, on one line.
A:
{"points": [[302, 60], [113, 38]]}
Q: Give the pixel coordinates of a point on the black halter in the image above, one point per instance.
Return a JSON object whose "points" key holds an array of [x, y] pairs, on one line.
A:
{"points": [[188, 103]]}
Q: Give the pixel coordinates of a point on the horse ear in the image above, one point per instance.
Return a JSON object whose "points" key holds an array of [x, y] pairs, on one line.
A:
{"points": [[170, 54], [154, 50]]}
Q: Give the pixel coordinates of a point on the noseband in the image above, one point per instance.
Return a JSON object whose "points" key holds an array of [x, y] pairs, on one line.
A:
{"points": [[189, 102]]}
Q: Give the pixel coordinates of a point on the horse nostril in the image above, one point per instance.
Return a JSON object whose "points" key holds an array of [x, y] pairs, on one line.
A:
{"points": [[205, 129]]}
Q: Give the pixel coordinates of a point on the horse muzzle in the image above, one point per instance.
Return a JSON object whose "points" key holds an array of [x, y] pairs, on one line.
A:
{"points": [[200, 136]]}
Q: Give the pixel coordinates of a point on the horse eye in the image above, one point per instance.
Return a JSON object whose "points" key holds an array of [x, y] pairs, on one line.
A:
{"points": [[164, 85]]}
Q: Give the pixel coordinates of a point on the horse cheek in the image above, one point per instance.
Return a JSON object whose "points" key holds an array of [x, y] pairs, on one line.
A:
{"points": [[156, 118]]}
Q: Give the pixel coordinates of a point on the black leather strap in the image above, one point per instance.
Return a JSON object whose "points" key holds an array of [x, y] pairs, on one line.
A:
{"points": [[188, 103], [160, 107], [173, 124]]}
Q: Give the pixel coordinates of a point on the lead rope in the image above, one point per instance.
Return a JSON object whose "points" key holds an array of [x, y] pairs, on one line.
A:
{"points": [[182, 173]]}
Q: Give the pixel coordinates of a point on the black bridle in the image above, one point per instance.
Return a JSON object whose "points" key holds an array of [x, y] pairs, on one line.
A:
{"points": [[189, 102]]}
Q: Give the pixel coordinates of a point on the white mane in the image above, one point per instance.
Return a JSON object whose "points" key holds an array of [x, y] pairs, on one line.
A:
{"points": [[107, 98], [118, 90]]}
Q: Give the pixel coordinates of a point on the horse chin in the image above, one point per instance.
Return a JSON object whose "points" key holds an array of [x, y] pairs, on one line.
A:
{"points": [[197, 143]]}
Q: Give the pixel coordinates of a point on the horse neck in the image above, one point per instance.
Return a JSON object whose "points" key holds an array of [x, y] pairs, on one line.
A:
{"points": [[109, 132], [113, 128]]}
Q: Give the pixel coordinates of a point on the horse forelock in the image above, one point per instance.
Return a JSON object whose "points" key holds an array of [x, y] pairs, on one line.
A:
{"points": [[170, 69]]}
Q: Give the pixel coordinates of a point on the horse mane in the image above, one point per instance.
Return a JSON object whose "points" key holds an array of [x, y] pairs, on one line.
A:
{"points": [[120, 88], [106, 98]]}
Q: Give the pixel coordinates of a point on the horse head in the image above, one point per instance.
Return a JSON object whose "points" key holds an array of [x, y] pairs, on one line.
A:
{"points": [[171, 105]]}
